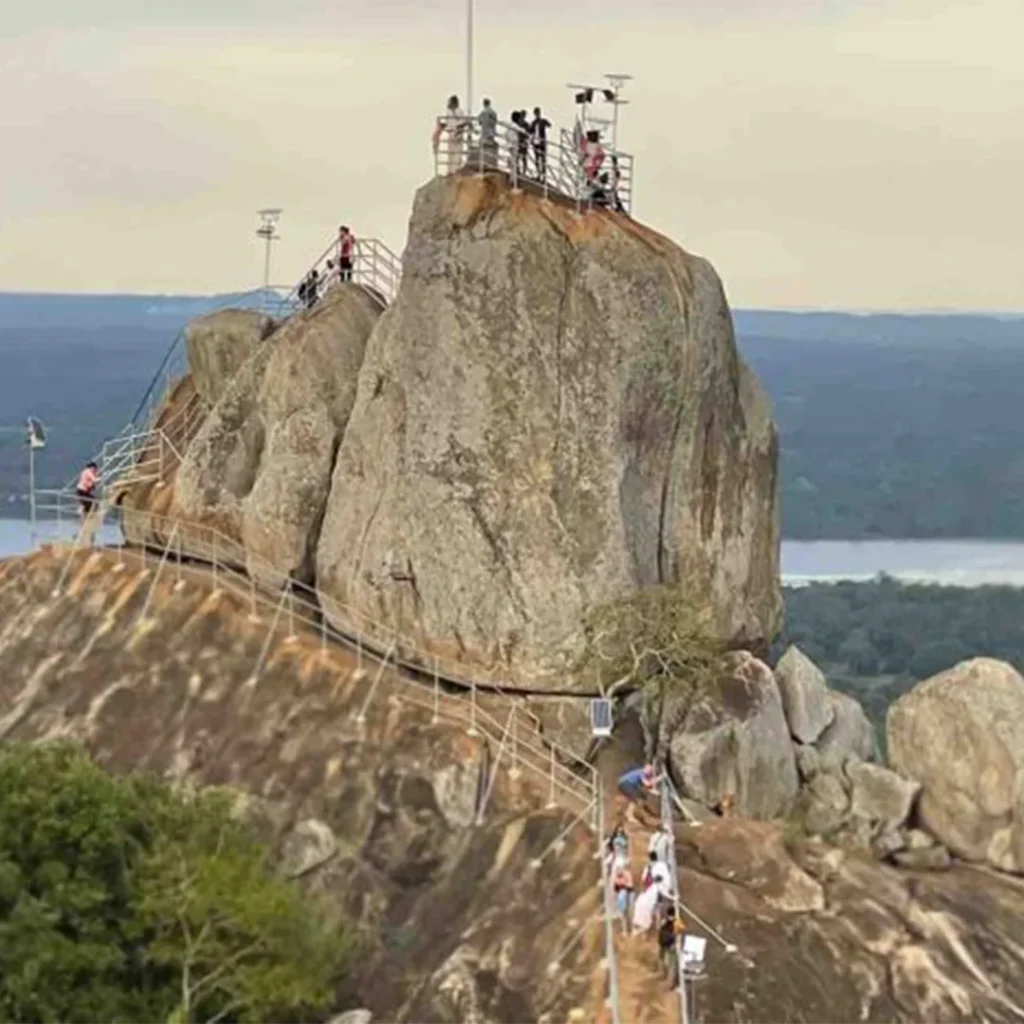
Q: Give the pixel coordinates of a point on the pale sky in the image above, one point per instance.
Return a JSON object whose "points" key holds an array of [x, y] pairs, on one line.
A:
{"points": [[858, 154]]}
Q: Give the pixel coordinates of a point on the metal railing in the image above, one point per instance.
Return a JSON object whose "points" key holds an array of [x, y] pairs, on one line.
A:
{"points": [[670, 805], [374, 266], [428, 681], [558, 170]]}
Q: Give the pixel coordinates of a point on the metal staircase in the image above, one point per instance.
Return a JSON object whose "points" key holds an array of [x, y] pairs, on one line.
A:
{"points": [[374, 266]]}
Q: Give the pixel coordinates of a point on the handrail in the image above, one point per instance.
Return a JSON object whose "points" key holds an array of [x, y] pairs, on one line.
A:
{"points": [[572, 781], [562, 172], [207, 544], [374, 266]]}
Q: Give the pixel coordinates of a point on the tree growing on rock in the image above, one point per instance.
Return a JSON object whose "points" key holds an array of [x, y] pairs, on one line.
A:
{"points": [[123, 899], [658, 641]]}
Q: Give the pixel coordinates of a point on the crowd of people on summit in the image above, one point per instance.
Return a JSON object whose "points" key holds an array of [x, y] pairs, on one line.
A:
{"points": [[525, 136], [526, 147], [651, 903]]}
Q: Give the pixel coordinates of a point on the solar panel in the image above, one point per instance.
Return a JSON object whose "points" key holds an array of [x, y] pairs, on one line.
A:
{"points": [[601, 717]]}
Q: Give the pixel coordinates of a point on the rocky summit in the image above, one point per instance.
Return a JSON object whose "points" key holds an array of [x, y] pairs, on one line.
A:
{"points": [[551, 414]]}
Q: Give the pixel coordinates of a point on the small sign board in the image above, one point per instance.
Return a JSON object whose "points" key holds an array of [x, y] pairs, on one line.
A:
{"points": [[601, 717], [694, 950]]}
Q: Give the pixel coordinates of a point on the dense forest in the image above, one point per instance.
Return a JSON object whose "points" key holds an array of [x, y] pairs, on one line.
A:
{"points": [[875, 640], [891, 426], [894, 426]]}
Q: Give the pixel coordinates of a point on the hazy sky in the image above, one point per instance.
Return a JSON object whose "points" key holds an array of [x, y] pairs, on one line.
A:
{"points": [[822, 153]]}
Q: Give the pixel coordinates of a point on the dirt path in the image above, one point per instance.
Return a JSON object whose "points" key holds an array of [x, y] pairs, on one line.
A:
{"points": [[645, 996]]}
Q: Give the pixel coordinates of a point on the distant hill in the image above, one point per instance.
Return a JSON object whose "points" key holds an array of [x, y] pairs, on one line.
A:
{"points": [[892, 425]]}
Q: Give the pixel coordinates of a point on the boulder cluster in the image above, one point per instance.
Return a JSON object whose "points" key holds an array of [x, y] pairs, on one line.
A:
{"points": [[783, 744]]}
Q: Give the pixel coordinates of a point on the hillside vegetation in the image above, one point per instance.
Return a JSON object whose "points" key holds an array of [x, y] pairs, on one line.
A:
{"points": [[875, 640]]}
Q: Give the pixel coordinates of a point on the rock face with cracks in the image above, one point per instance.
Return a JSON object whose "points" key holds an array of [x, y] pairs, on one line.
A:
{"points": [[551, 414], [260, 467], [960, 734], [219, 343], [731, 741]]}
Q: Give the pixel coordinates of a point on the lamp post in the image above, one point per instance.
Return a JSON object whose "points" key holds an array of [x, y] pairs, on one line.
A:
{"points": [[35, 440], [469, 57], [268, 232]]}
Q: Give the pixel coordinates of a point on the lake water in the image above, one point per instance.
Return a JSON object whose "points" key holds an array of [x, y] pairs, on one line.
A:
{"points": [[966, 563], [16, 534]]}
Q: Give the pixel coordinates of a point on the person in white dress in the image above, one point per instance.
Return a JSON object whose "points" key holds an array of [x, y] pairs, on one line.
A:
{"points": [[453, 124], [656, 882]]}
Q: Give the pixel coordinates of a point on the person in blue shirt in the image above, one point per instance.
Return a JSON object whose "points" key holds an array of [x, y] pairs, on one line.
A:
{"points": [[636, 784]]}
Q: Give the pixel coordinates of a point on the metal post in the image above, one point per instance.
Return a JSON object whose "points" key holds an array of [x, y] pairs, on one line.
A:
{"points": [[437, 691], [551, 792], [291, 614], [213, 557], [32, 490], [252, 597], [513, 756], [469, 57], [609, 933], [472, 709]]}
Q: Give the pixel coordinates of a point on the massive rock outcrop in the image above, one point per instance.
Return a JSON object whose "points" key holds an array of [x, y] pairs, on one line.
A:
{"points": [[961, 735], [218, 344], [260, 467], [551, 414]]}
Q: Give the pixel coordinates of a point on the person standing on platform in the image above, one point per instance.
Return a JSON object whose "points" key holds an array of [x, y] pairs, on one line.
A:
{"points": [[346, 252], [488, 121], [539, 137]]}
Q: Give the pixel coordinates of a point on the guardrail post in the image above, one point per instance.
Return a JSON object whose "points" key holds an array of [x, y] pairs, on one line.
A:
{"points": [[179, 557], [359, 651], [513, 754], [252, 598], [437, 691], [213, 558], [323, 628], [472, 709], [551, 791], [291, 613]]}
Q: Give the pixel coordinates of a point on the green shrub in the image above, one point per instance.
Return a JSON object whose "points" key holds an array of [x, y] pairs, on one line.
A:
{"points": [[122, 899]]}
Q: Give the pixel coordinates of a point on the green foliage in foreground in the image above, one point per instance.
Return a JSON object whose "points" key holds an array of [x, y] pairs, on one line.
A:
{"points": [[875, 640], [122, 899]]}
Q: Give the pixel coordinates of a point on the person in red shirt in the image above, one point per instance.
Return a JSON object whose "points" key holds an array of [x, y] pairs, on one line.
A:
{"points": [[88, 480], [346, 253]]}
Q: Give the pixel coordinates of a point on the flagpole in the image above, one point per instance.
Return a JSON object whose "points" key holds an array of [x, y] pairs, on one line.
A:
{"points": [[469, 57]]}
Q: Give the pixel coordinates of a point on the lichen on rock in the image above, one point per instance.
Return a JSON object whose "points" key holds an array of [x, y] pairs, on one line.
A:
{"points": [[551, 414], [260, 467]]}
